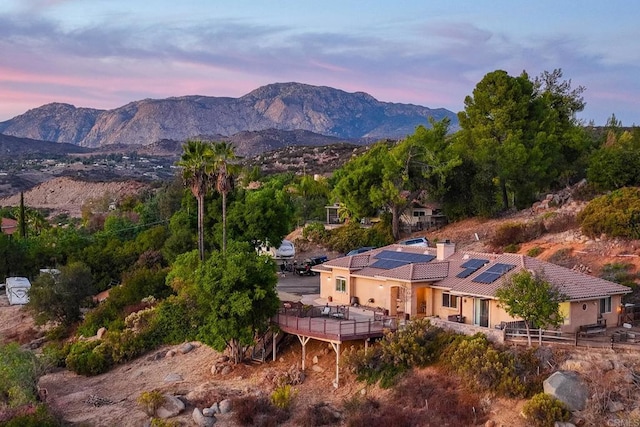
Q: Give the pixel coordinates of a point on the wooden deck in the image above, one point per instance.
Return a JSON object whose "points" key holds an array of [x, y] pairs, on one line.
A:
{"points": [[334, 329]]}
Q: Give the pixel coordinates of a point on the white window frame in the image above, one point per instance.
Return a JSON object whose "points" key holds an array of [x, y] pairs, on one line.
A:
{"points": [[341, 284], [605, 305], [447, 299]]}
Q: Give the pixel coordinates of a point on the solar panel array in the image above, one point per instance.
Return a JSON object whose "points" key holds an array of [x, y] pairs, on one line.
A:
{"points": [[388, 260], [407, 257], [475, 263], [471, 266], [388, 264], [493, 273]]}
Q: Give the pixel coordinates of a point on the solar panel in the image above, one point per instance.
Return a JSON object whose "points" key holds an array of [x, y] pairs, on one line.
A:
{"points": [[407, 257], [466, 273], [474, 263], [500, 268], [486, 277], [388, 264]]}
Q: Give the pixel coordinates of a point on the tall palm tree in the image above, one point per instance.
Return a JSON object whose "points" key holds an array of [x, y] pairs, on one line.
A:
{"points": [[224, 170], [197, 164]]}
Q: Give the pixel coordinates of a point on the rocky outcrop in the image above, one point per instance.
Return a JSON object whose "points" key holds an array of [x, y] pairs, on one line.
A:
{"points": [[283, 106]]}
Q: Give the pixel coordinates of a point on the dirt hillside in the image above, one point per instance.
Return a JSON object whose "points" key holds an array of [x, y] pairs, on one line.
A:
{"points": [[66, 195]]}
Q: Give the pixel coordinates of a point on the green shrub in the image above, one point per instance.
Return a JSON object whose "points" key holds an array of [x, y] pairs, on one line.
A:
{"points": [[558, 223], [563, 257], [87, 358], [534, 252], [619, 273], [484, 367], [54, 354], [419, 344], [19, 371], [347, 237], [30, 416], [315, 232], [511, 248], [160, 422], [175, 321], [282, 396], [150, 401], [616, 214], [514, 233], [544, 410]]}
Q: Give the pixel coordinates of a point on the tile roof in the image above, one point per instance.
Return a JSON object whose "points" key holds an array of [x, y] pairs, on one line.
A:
{"points": [[442, 274]]}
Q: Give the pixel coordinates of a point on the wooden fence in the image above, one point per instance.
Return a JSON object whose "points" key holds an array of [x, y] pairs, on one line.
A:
{"points": [[612, 338]]}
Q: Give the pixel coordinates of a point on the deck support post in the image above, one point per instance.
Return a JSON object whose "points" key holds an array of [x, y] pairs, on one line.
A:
{"points": [[336, 348], [275, 340], [303, 340]]}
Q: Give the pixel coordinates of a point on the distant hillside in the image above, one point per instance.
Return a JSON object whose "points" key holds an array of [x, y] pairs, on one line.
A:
{"points": [[11, 146], [282, 106]]}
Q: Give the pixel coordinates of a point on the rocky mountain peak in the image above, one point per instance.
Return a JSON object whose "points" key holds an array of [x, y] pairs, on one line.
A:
{"points": [[282, 106]]}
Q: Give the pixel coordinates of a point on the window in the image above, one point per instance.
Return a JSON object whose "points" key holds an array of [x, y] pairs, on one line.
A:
{"points": [[605, 305], [449, 300], [341, 284]]}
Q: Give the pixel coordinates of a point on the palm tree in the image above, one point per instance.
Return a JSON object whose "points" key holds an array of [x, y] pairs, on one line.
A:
{"points": [[224, 170], [197, 164]]}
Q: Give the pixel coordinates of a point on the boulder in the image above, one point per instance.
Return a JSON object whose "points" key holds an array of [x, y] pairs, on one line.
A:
{"points": [[224, 406], [200, 420], [173, 378], [615, 406], [567, 387], [186, 348], [171, 407]]}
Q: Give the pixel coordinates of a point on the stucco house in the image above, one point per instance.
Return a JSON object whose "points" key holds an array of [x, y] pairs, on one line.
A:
{"points": [[419, 282], [419, 216]]}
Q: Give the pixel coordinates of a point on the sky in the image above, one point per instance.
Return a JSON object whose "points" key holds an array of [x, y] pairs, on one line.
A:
{"points": [[106, 53]]}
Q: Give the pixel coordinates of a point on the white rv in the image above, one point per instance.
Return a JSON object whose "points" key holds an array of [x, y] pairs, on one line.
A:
{"points": [[18, 290]]}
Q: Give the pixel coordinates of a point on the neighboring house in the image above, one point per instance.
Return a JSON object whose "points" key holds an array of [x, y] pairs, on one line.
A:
{"points": [[420, 216], [419, 282], [333, 214], [8, 225]]}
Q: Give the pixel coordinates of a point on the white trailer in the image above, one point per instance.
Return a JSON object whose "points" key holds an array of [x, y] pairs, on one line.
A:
{"points": [[17, 289]]}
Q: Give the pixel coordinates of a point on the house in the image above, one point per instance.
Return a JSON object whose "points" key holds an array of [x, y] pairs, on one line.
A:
{"points": [[409, 282], [419, 216], [333, 214], [8, 225]]}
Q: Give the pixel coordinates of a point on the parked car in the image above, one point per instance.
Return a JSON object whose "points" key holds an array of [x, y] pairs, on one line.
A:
{"points": [[286, 250], [417, 241], [304, 269], [360, 250]]}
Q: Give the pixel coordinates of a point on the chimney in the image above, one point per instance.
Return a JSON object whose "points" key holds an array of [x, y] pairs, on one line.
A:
{"points": [[444, 250]]}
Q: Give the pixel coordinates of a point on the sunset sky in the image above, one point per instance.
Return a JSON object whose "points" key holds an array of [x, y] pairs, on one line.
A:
{"points": [[106, 53]]}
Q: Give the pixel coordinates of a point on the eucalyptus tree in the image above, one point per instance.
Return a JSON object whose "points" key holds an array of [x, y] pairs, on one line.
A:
{"points": [[198, 163]]}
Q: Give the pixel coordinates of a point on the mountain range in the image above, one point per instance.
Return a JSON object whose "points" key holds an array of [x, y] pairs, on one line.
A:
{"points": [[353, 117]]}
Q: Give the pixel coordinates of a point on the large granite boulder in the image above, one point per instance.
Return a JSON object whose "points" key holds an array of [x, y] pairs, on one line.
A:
{"points": [[567, 387]]}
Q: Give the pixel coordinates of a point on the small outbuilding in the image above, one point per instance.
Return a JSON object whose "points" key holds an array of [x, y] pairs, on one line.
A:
{"points": [[18, 290]]}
